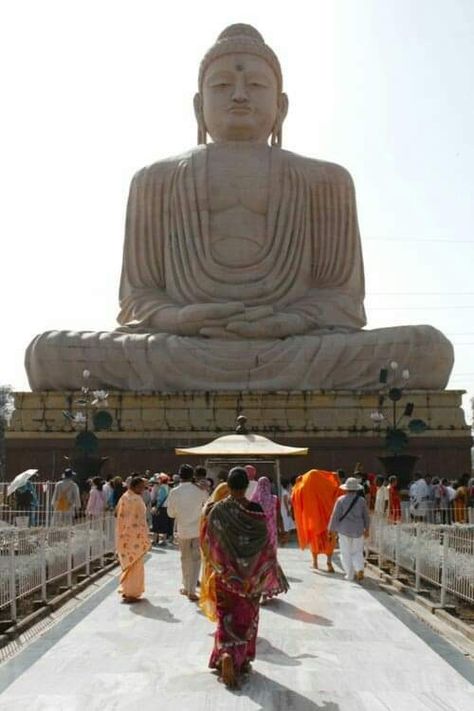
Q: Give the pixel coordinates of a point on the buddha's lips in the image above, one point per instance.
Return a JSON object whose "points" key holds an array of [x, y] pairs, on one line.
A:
{"points": [[240, 109]]}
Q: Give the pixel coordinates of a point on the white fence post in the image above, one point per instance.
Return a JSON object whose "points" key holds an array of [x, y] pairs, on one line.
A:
{"points": [[88, 549], [11, 556], [444, 566], [48, 504], [397, 548], [380, 543], [69, 556], [102, 541], [417, 556], [44, 547]]}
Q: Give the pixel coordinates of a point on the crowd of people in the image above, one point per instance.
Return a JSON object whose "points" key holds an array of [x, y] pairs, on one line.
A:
{"points": [[430, 499], [228, 536], [228, 528]]}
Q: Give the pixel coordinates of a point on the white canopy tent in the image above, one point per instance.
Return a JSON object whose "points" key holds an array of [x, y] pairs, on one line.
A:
{"points": [[243, 448]]}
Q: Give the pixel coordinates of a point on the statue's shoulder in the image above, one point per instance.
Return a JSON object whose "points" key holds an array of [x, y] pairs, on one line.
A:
{"points": [[317, 170], [164, 168]]}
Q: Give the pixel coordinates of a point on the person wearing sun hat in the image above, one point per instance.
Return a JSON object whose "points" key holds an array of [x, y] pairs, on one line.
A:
{"points": [[350, 519]]}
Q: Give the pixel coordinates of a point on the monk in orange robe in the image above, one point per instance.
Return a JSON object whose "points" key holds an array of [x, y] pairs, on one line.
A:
{"points": [[313, 498]]}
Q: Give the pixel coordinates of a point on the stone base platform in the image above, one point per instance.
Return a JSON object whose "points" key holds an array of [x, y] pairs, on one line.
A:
{"points": [[336, 426]]}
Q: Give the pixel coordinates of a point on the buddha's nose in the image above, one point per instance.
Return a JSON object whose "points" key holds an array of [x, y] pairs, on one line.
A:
{"points": [[240, 91]]}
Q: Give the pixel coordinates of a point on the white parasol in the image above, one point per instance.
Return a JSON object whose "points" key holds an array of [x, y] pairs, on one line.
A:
{"points": [[20, 480]]}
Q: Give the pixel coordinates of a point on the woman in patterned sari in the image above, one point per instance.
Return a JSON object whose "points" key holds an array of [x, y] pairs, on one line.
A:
{"points": [[271, 508], [133, 541], [235, 544]]}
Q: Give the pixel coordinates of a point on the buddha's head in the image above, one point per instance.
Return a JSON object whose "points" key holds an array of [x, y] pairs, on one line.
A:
{"points": [[240, 94]]}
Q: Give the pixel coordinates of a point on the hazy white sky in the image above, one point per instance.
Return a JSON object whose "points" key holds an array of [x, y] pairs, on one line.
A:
{"points": [[93, 90]]}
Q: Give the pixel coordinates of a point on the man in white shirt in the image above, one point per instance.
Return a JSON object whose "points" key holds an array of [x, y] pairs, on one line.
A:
{"points": [[381, 497], [66, 500], [419, 497], [252, 475], [185, 504]]}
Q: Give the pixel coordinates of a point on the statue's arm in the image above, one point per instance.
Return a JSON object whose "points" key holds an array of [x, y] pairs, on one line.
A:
{"points": [[143, 298], [334, 299], [331, 309], [145, 305]]}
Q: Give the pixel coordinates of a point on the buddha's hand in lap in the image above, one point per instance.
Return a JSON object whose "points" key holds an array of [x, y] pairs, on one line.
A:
{"points": [[250, 315], [277, 325], [191, 320]]}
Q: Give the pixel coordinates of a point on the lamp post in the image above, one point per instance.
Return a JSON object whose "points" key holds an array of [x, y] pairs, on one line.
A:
{"points": [[86, 417], [394, 381], [7, 408]]}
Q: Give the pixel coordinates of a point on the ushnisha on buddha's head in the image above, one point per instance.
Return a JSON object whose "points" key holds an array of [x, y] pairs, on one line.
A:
{"points": [[240, 94]]}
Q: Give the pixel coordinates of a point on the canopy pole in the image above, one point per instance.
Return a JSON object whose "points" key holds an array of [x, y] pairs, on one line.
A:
{"points": [[278, 477]]}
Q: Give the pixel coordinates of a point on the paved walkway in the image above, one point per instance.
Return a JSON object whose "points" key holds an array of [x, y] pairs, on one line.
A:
{"points": [[329, 645]]}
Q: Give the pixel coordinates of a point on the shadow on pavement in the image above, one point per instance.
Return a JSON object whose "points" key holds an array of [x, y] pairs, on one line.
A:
{"points": [[144, 608], [282, 607], [273, 655], [272, 695]]}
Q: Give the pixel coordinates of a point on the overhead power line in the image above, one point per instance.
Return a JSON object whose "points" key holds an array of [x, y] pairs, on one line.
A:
{"points": [[420, 293], [417, 241], [453, 307]]}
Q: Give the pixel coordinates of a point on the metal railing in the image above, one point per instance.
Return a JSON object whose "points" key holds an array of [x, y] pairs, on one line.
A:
{"points": [[34, 518], [43, 493], [40, 512], [31, 558], [434, 514], [442, 555]]}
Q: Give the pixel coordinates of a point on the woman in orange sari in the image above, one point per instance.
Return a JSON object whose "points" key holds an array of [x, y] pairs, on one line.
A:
{"points": [[461, 500], [133, 541], [207, 597]]}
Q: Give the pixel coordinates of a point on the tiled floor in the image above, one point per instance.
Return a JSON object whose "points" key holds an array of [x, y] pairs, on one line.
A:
{"points": [[328, 645]]}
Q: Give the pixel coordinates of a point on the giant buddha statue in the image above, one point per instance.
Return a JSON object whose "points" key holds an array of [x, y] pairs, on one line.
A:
{"points": [[242, 265]]}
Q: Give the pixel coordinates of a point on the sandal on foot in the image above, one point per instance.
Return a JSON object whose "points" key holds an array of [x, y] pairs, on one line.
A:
{"points": [[228, 674], [246, 667]]}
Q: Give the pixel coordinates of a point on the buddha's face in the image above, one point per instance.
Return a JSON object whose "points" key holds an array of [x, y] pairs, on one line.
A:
{"points": [[240, 100]]}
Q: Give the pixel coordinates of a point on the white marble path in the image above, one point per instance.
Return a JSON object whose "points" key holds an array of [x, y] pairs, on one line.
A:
{"points": [[329, 645]]}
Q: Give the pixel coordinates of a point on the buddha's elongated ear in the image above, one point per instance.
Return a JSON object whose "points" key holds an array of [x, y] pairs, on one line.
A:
{"points": [[198, 112], [277, 131]]}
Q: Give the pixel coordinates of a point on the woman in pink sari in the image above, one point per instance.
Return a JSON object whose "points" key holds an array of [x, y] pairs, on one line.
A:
{"points": [[235, 543], [133, 540], [269, 503]]}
